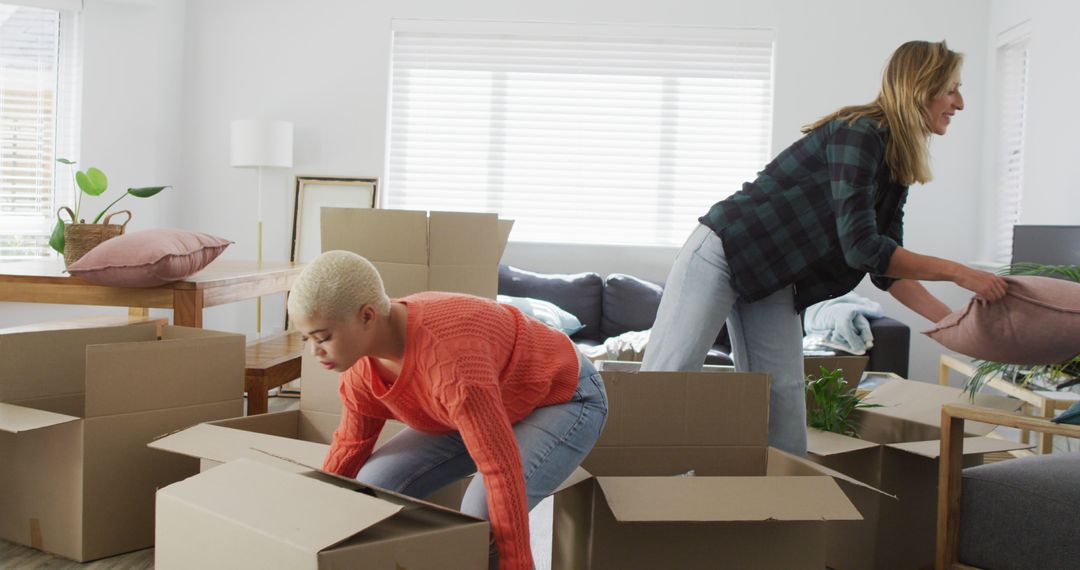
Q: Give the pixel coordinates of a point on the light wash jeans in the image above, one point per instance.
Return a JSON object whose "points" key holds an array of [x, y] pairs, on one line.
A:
{"points": [[766, 335], [552, 441]]}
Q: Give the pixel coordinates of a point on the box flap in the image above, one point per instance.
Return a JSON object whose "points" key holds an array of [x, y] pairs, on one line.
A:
{"points": [[825, 443], [921, 402], [397, 236], [17, 419], [576, 477], [784, 463], [221, 444], [463, 238], [972, 446], [504, 237], [25, 376], [726, 499], [686, 408], [286, 506]]}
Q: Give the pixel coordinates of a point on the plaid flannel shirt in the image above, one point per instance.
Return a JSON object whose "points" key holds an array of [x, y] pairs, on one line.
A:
{"points": [[820, 216]]}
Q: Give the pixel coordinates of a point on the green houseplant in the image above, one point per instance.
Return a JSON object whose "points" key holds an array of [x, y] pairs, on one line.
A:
{"points": [[831, 401], [92, 182], [1050, 376]]}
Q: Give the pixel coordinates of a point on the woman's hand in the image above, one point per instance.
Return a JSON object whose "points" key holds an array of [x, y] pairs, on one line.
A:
{"points": [[985, 285]]}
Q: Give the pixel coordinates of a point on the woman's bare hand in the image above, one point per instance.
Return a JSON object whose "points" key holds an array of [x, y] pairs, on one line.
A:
{"points": [[985, 285]]}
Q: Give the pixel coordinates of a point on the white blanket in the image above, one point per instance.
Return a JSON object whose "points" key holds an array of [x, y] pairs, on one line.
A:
{"points": [[841, 323]]}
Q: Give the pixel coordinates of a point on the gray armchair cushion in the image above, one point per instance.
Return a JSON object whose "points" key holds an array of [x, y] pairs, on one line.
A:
{"points": [[580, 293], [1021, 513], [629, 304]]}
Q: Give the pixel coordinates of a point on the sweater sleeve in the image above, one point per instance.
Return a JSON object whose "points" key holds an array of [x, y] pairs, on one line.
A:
{"points": [[475, 406], [356, 434]]}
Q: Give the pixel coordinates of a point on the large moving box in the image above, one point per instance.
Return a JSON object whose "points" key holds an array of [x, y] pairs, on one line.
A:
{"points": [[414, 251], [683, 477], [897, 451], [78, 408], [245, 514]]}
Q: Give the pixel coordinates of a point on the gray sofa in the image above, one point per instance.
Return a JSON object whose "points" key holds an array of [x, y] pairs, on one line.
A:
{"points": [[622, 303]]}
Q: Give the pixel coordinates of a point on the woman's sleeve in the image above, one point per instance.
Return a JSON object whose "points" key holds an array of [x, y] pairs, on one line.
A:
{"points": [[357, 431], [896, 232], [476, 408], [854, 155]]}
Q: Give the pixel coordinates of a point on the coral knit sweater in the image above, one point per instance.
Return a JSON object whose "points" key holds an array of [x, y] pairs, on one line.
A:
{"points": [[473, 366]]}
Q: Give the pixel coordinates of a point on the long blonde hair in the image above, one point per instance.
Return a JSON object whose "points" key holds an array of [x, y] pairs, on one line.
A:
{"points": [[917, 72]]}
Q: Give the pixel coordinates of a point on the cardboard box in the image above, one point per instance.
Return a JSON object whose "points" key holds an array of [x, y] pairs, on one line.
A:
{"points": [[78, 408], [746, 506], [414, 251], [245, 514], [897, 452]]}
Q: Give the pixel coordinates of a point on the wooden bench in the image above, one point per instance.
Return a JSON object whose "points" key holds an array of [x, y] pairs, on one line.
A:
{"points": [[269, 363]]}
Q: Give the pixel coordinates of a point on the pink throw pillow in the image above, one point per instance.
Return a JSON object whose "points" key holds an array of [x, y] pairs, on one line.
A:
{"points": [[1037, 322], [148, 258]]}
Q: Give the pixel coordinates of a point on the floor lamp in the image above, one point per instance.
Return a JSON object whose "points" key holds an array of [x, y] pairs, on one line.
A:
{"points": [[258, 145]]}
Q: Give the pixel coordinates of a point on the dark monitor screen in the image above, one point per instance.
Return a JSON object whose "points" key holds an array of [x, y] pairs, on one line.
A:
{"points": [[1048, 245]]}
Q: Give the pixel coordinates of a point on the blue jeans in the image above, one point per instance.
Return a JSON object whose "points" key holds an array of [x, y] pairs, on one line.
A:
{"points": [[766, 335], [552, 442]]}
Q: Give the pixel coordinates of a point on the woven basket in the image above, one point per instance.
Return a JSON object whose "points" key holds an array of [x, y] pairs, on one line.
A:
{"points": [[81, 238]]}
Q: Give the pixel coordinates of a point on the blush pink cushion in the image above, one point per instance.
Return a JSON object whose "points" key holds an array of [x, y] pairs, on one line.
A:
{"points": [[1038, 322], [148, 258]]}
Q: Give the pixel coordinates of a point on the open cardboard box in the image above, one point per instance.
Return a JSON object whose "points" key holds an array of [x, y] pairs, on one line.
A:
{"points": [[416, 251], [745, 506], [245, 514], [897, 451], [303, 435], [77, 408]]}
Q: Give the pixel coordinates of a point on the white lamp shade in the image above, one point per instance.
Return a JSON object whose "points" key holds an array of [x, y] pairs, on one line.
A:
{"points": [[262, 143]]}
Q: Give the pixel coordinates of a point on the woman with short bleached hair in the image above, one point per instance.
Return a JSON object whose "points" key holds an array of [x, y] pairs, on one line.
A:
{"points": [[482, 387], [825, 212]]}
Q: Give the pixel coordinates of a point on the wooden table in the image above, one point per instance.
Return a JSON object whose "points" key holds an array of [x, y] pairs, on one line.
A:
{"points": [[221, 282]]}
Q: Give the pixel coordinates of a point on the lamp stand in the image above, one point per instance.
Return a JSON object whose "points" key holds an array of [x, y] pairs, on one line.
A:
{"points": [[258, 300]]}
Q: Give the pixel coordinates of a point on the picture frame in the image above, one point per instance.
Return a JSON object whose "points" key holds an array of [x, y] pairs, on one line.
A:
{"points": [[312, 193]]}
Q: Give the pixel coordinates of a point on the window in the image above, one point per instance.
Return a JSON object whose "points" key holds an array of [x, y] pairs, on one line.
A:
{"points": [[38, 118], [581, 134], [1012, 74]]}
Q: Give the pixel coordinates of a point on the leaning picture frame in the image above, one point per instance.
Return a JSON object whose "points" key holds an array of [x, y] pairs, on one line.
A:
{"points": [[312, 194]]}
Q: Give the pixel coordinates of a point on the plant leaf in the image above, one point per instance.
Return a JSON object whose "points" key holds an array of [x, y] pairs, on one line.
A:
{"points": [[56, 240], [93, 181], [65, 161], [146, 192]]}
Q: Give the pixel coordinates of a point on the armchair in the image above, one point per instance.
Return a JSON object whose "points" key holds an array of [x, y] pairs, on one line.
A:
{"points": [[1021, 512]]}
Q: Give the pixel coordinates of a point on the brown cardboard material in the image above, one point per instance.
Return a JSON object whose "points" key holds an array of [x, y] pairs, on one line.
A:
{"points": [[222, 518], [77, 408], [746, 504], [416, 251], [897, 452]]}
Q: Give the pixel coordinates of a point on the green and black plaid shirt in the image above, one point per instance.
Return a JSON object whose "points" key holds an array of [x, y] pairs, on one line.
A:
{"points": [[820, 216]]}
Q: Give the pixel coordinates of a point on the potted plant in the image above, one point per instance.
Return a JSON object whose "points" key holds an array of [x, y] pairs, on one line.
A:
{"points": [[1050, 376], [830, 403], [76, 237]]}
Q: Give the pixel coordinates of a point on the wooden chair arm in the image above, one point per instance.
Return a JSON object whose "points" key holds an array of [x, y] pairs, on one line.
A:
{"points": [[953, 417]]}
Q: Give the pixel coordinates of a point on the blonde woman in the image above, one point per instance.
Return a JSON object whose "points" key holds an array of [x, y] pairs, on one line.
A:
{"points": [[824, 213], [482, 388]]}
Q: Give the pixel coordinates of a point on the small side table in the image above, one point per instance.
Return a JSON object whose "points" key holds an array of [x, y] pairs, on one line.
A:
{"points": [[1046, 402]]}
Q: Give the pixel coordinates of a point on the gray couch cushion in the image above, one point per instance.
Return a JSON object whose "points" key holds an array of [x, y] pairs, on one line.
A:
{"points": [[629, 304], [580, 293], [1021, 513]]}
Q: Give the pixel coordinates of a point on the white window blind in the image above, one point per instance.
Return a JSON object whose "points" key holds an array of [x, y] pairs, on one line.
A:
{"points": [[605, 135], [1012, 62], [38, 114]]}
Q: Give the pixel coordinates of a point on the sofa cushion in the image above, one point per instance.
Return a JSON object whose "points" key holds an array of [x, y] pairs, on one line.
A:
{"points": [[581, 294], [1019, 513], [148, 258], [544, 311], [629, 304]]}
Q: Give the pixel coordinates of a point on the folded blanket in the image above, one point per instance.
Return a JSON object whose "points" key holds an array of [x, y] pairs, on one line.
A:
{"points": [[841, 323]]}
